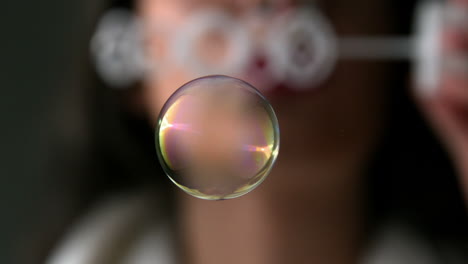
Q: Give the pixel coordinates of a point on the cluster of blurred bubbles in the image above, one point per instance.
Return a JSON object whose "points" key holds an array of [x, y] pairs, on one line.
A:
{"points": [[298, 46]]}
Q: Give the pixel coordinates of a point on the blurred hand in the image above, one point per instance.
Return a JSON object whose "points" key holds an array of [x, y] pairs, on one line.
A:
{"points": [[446, 108]]}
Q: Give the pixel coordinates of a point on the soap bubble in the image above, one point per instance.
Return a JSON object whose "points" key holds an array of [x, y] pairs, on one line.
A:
{"points": [[217, 137]]}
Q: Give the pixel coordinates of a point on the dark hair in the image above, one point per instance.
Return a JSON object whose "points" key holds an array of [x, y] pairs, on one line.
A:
{"points": [[413, 180], [411, 177]]}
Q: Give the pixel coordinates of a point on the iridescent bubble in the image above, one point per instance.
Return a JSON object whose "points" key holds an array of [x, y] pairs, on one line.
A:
{"points": [[217, 137]]}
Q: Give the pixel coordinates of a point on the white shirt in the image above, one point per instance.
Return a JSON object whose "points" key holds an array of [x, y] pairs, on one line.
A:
{"points": [[123, 230]]}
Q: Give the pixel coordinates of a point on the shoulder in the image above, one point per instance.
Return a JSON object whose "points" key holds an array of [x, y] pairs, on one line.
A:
{"points": [[128, 228], [397, 243]]}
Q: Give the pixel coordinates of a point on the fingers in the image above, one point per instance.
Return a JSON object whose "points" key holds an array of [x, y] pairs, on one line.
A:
{"points": [[446, 106]]}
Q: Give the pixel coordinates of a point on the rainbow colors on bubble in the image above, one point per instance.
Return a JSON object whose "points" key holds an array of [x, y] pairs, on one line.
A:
{"points": [[217, 137]]}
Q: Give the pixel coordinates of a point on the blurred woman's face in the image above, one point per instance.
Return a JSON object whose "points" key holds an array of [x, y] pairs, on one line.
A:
{"points": [[335, 123]]}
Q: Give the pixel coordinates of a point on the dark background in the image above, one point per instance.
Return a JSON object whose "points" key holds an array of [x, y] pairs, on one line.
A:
{"points": [[42, 46]]}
